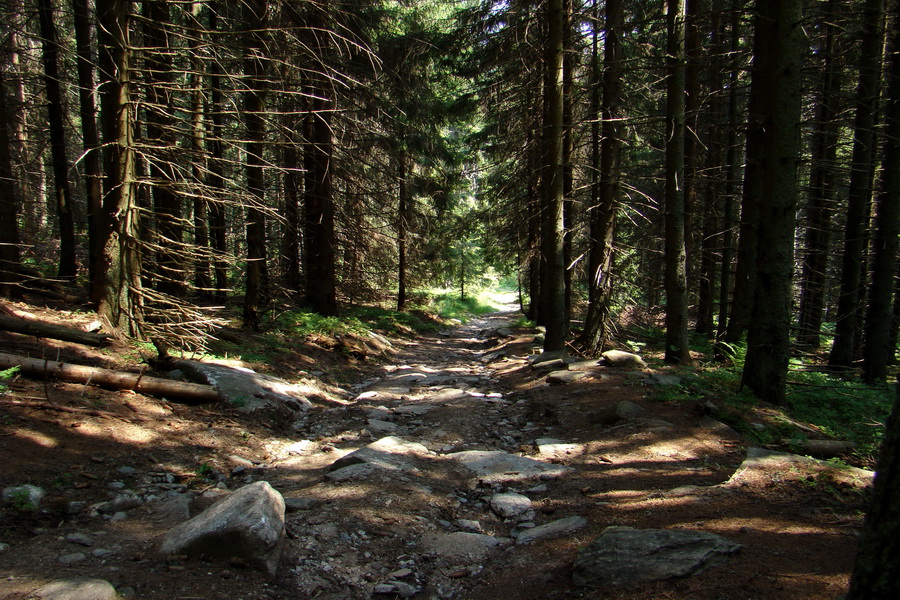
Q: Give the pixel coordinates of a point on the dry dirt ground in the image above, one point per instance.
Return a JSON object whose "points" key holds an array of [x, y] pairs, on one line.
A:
{"points": [[347, 539]]}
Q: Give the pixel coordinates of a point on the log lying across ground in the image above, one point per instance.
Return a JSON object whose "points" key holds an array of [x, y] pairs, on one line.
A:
{"points": [[49, 330], [119, 380]]}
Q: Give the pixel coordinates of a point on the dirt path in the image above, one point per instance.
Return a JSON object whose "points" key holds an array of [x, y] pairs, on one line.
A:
{"points": [[410, 518]]}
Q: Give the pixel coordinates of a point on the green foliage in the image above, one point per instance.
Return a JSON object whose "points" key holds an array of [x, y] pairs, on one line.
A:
{"points": [[5, 376], [449, 305], [308, 323], [392, 321]]}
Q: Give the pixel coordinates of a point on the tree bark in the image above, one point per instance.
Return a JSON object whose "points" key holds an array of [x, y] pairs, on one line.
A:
{"points": [[677, 349], [49, 330], [402, 206], [606, 151], [319, 207], [843, 351], [877, 350], [878, 560], [256, 286], [68, 264], [122, 303], [93, 174], [768, 341], [821, 191], [119, 380], [10, 259], [553, 287]]}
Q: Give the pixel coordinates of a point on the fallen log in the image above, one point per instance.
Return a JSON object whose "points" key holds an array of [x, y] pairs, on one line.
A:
{"points": [[823, 448], [49, 330], [120, 380]]}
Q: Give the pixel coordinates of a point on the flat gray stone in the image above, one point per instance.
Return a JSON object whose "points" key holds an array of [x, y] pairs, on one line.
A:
{"points": [[380, 426], [391, 453], [248, 524], [244, 388], [73, 558], [77, 588], [554, 449], [510, 505], [354, 472], [619, 411], [447, 395], [626, 556], [558, 527], [663, 379], [585, 365], [24, 497], [80, 539], [561, 377], [414, 409], [494, 466], [620, 358], [460, 544]]}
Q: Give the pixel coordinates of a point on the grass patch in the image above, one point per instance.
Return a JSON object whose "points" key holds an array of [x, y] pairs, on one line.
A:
{"points": [[5, 377]]}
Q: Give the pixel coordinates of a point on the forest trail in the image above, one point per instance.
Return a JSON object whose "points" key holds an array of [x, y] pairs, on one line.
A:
{"points": [[455, 471]]}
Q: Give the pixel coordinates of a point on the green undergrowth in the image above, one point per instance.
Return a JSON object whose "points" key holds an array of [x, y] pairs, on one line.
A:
{"points": [[449, 305], [5, 377], [818, 405]]}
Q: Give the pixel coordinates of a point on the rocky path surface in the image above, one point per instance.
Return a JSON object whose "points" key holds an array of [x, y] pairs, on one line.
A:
{"points": [[470, 468]]}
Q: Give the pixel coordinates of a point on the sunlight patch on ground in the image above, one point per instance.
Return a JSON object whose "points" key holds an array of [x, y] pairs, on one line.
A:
{"points": [[37, 437]]}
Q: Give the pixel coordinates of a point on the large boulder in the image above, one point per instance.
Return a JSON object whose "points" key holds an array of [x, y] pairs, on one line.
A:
{"points": [[626, 556], [495, 466], [244, 388], [247, 524]]}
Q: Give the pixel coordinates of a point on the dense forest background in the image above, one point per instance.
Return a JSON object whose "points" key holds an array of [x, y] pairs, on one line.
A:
{"points": [[724, 166]]}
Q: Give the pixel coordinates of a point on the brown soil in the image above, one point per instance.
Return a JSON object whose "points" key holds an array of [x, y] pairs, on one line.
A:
{"points": [[798, 526]]}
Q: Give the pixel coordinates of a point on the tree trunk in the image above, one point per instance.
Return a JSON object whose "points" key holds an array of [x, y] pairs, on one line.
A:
{"points": [[122, 302], [821, 192], [553, 287], [93, 173], [677, 349], [768, 341], [170, 270], [878, 560], [68, 265], [49, 330], [218, 227], [256, 292], [605, 189], [877, 350], [843, 351], [402, 206], [319, 205], [290, 244], [732, 170], [10, 259], [119, 380]]}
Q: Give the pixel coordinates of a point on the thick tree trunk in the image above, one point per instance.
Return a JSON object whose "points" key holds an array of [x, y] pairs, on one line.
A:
{"points": [[49, 330], [768, 341], [813, 276], [732, 171], [878, 561], [119, 380], [10, 259], [606, 152], [68, 265], [877, 350], [319, 206], [553, 287], [843, 351], [256, 288], [122, 303], [218, 228], [93, 174], [677, 349], [290, 242]]}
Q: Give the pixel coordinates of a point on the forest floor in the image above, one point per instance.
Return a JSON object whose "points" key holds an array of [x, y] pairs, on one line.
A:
{"points": [[467, 388]]}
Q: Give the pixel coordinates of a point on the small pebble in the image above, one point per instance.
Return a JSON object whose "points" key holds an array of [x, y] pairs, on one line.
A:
{"points": [[80, 539]]}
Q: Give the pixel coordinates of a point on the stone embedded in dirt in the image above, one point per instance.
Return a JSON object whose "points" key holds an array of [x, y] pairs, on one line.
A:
{"points": [[617, 412], [354, 472], [80, 539], [490, 357], [620, 358], [561, 377], [301, 447], [625, 555], [510, 505], [663, 379], [495, 466], [3, 547], [447, 395], [760, 461], [557, 527], [245, 388], [414, 409], [77, 588], [380, 426], [24, 497], [247, 524], [72, 558], [391, 453], [585, 365], [460, 544], [120, 503], [553, 449], [297, 504], [469, 525]]}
